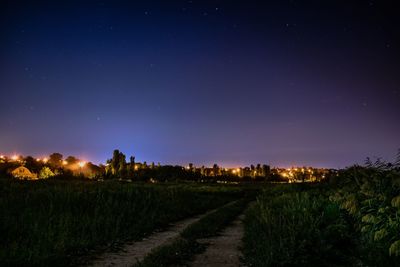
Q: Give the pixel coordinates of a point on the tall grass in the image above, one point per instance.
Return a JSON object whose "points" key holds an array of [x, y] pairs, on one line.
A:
{"points": [[371, 195], [296, 229], [53, 222]]}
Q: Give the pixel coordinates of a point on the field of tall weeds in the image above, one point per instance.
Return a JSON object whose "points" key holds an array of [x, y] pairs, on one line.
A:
{"points": [[354, 220], [54, 222]]}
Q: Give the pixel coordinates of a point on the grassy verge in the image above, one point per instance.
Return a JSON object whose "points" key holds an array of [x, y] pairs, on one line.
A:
{"points": [[186, 246], [297, 228], [53, 222]]}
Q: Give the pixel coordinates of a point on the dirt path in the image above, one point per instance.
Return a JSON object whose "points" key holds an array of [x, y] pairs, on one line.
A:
{"points": [[132, 252], [223, 250]]}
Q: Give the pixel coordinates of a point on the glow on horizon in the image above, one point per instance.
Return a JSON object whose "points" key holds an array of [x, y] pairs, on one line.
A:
{"points": [[230, 165]]}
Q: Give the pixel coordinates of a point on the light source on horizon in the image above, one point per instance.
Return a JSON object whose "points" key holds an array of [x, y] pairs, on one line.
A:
{"points": [[64, 162], [81, 164], [45, 160], [14, 157]]}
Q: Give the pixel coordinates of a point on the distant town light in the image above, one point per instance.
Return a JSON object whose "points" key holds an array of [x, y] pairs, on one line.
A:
{"points": [[14, 157], [64, 162], [1, 156], [82, 164], [45, 160]]}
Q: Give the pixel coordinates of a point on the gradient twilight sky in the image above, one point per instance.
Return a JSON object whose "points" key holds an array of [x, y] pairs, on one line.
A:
{"points": [[228, 82]]}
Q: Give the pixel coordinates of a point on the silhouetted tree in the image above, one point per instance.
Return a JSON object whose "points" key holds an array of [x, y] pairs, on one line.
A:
{"points": [[215, 169], [131, 167], [115, 162], [71, 160], [32, 164], [122, 166], [258, 170], [266, 171], [55, 160]]}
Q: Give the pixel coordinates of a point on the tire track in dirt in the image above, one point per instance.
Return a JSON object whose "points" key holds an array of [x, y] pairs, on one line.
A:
{"points": [[135, 251], [222, 250]]}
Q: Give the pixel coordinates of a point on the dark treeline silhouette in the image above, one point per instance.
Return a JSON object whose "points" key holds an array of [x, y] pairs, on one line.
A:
{"points": [[119, 168]]}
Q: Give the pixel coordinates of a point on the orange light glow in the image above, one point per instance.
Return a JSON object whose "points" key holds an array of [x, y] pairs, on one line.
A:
{"points": [[45, 160], [14, 157], [64, 162], [82, 164]]}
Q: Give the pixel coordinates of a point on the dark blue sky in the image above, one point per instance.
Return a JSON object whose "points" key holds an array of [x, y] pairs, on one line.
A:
{"points": [[230, 82]]}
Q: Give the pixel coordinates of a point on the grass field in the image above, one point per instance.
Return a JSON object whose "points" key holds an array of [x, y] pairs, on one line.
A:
{"points": [[53, 222], [354, 220], [296, 228]]}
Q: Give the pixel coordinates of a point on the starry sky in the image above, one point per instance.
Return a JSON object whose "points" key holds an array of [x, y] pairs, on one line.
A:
{"points": [[228, 82]]}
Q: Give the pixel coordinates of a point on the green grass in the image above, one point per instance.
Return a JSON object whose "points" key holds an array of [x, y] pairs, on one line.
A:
{"points": [[297, 228], [55, 222], [372, 198], [186, 246]]}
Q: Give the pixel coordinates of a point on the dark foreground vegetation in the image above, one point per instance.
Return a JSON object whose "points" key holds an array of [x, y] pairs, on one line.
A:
{"points": [[350, 219], [53, 222], [186, 246], [353, 221]]}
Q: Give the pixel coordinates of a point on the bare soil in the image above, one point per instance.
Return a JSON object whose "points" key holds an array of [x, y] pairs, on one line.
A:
{"points": [[222, 250], [132, 252]]}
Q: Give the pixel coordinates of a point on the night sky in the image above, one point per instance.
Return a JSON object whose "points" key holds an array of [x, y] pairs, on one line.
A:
{"points": [[228, 82]]}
